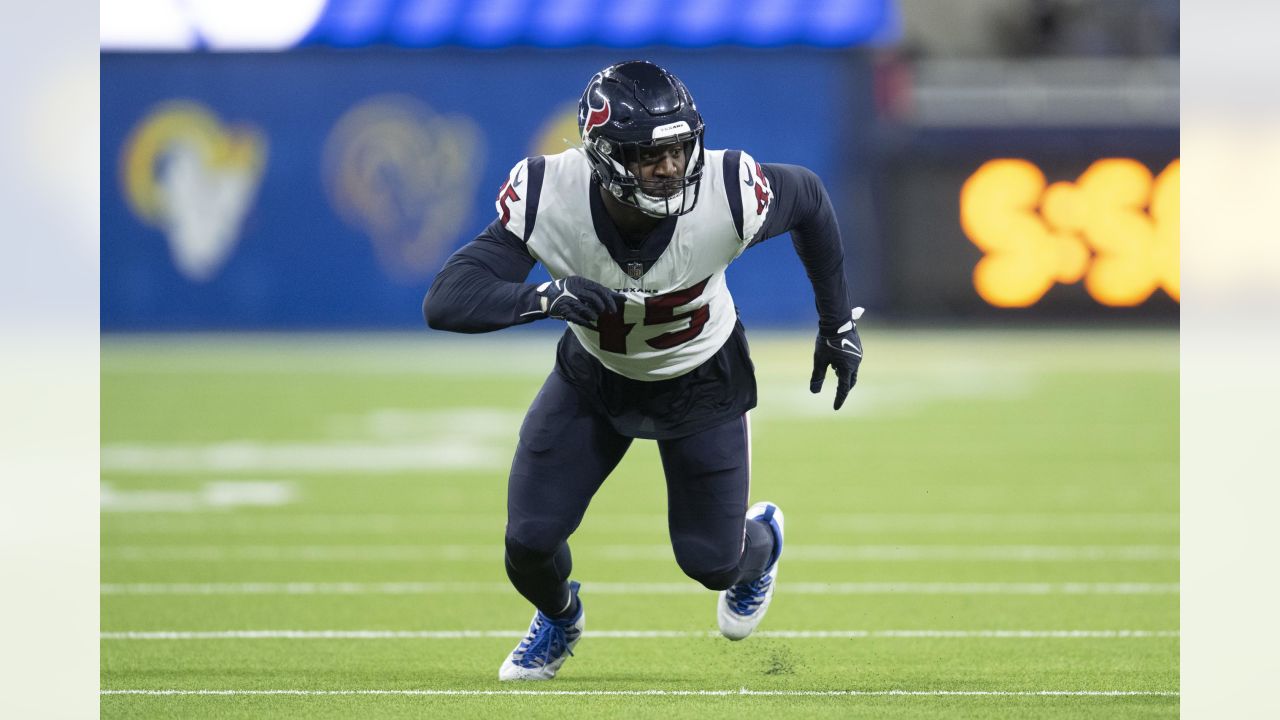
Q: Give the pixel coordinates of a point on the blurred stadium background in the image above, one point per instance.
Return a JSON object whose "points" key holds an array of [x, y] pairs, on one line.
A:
{"points": [[320, 187], [280, 182]]}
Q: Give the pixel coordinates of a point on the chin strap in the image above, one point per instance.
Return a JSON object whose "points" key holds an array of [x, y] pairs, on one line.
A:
{"points": [[679, 202]]}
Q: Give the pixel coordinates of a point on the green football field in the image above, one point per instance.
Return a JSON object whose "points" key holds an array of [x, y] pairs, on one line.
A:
{"points": [[311, 526]]}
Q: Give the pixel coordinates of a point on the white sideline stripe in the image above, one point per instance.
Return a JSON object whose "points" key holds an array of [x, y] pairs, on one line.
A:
{"points": [[300, 457], [713, 693], [631, 634], [685, 588], [327, 354], [804, 553], [214, 495], [986, 522], [862, 524]]}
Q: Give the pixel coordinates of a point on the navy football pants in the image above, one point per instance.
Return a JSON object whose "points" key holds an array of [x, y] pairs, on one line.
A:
{"points": [[566, 451]]}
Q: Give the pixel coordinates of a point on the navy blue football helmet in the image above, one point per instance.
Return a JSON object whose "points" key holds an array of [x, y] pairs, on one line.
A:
{"points": [[636, 107]]}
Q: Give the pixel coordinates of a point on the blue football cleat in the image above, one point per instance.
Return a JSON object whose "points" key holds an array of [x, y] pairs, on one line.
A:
{"points": [[741, 608], [548, 644]]}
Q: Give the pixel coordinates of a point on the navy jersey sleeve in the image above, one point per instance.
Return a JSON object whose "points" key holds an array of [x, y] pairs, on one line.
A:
{"points": [[481, 287], [800, 205]]}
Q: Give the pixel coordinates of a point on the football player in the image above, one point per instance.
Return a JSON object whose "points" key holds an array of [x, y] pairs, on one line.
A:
{"points": [[636, 228]]}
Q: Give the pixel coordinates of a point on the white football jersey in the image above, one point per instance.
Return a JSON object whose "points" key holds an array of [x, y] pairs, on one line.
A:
{"points": [[679, 312]]}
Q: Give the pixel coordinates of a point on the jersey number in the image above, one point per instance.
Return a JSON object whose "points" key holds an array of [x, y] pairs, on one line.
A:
{"points": [[506, 193], [763, 192], [658, 310]]}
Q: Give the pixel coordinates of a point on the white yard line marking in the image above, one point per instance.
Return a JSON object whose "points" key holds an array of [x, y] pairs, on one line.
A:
{"points": [[986, 522], [302, 457], [291, 525], [804, 553], [383, 440], [326, 354], [358, 524], [635, 634], [689, 588], [215, 495], [299, 553], [1007, 553], [712, 693]]}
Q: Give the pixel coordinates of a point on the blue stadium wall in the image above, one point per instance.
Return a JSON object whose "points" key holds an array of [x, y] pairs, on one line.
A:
{"points": [[322, 189]]}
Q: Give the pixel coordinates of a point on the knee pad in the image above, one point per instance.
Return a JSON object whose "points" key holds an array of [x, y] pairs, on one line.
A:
{"points": [[521, 557], [722, 579], [520, 554], [712, 562], [702, 565]]}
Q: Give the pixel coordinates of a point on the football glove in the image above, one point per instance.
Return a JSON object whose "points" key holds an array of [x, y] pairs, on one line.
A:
{"points": [[842, 352], [577, 300]]}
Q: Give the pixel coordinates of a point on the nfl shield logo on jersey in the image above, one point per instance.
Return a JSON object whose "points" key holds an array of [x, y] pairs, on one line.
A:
{"points": [[635, 270]]}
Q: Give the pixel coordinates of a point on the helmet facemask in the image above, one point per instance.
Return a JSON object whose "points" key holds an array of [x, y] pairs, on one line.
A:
{"points": [[658, 197]]}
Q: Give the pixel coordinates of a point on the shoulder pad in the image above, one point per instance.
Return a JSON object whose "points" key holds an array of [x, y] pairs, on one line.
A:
{"points": [[517, 201], [751, 197]]}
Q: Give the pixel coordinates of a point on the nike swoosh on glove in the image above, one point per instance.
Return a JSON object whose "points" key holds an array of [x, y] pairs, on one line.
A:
{"points": [[578, 300], [842, 352]]}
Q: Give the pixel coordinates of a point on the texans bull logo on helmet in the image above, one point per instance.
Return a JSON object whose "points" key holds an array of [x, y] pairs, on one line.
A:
{"points": [[595, 118]]}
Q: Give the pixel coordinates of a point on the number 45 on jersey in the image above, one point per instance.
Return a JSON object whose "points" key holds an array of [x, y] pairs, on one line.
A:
{"points": [[658, 310]]}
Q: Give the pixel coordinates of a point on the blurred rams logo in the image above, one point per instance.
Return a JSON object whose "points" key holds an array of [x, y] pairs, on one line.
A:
{"points": [[1116, 227], [194, 178], [558, 132], [406, 176]]}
